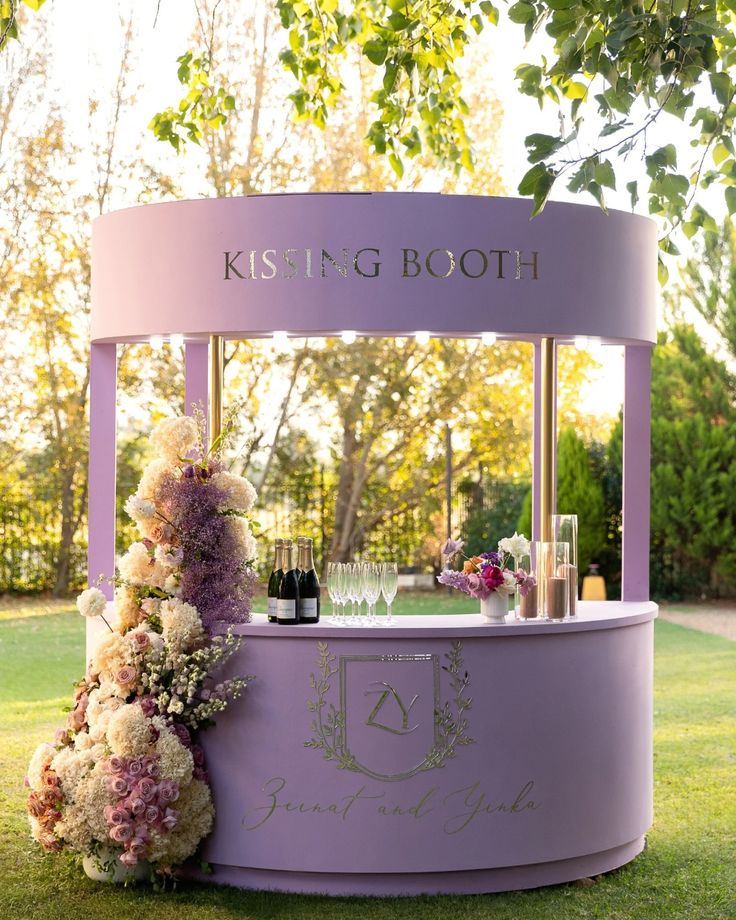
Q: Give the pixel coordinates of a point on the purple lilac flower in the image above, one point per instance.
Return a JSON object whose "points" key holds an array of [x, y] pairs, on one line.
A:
{"points": [[451, 547], [214, 576], [453, 579]]}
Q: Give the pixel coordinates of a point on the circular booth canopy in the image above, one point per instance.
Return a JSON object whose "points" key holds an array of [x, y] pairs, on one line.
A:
{"points": [[377, 263]]}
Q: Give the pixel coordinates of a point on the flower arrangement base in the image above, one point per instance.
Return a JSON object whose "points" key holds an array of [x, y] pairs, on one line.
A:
{"points": [[106, 867], [494, 608]]}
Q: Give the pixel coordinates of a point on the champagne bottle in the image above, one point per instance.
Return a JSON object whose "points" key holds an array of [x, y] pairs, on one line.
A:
{"points": [[308, 584], [287, 603], [275, 580]]}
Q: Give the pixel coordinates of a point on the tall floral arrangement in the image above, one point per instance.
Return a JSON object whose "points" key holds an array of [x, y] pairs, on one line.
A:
{"points": [[197, 542], [125, 780]]}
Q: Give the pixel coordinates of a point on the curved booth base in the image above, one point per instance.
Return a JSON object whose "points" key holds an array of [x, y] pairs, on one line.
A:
{"points": [[478, 881]]}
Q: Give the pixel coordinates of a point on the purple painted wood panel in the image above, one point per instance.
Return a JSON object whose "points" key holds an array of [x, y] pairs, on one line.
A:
{"points": [[636, 497]]}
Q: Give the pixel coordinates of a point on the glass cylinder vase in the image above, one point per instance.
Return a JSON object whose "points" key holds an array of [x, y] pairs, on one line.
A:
{"points": [[565, 530], [527, 594], [553, 578]]}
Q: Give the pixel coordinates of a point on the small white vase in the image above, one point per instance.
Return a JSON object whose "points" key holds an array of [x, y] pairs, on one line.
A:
{"points": [[106, 867], [493, 609]]}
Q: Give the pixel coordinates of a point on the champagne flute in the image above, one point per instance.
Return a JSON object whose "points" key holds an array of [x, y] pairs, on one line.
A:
{"points": [[353, 590], [389, 587], [371, 576], [342, 591], [333, 576]]}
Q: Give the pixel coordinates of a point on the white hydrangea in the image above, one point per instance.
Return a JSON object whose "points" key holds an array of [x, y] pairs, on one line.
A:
{"points": [[172, 585], [129, 731], [126, 608], [247, 546], [71, 765], [239, 492], [196, 816], [136, 566], [41, 758], [155, 475], [83, 821], [140, 509], [176, 761], [517, 546], [110, 654], [174, 438], [181, 625], [91, 603]]}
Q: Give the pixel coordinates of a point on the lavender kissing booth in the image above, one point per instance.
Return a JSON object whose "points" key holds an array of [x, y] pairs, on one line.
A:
{"points": [[439, 755]]}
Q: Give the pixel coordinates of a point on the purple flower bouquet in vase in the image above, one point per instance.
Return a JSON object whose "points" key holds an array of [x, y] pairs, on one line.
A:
{"points": [[487, 577]]}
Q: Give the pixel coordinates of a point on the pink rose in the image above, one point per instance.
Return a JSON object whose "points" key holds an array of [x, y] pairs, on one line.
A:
{"points": [[128, 859], [477, 587], [168, 822], [121, 832], [152, 814], [116, 764], [137, 846], [126, 676], [141, 640], [492, 576], [137, 805], [114, 814], [135, 767], [152, 766], [146, 788], [118, 785], [160, 533], [168, 791]]}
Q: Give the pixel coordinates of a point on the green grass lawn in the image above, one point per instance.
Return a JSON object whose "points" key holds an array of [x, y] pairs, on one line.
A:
{"points": [[688, 870]]}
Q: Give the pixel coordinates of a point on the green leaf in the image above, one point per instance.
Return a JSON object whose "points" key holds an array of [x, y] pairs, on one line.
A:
{"points": [[541, 146], [721, 86], [731, 199], [530, 179], [396, 164], [375, 50], [633, 189], [662, 271], [521, 12], [542, 191]]}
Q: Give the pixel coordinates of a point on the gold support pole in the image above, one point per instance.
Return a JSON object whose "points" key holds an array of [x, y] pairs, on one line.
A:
{"points": [[547, 438], [217, 367]]}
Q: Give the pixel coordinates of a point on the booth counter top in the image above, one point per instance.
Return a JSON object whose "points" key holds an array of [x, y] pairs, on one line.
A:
{"points": [[591, 615]]}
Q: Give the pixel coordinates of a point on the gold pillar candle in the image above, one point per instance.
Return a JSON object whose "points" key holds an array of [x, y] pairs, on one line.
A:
{"points": [[557, 592], [570, 572], [528, 604]]}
